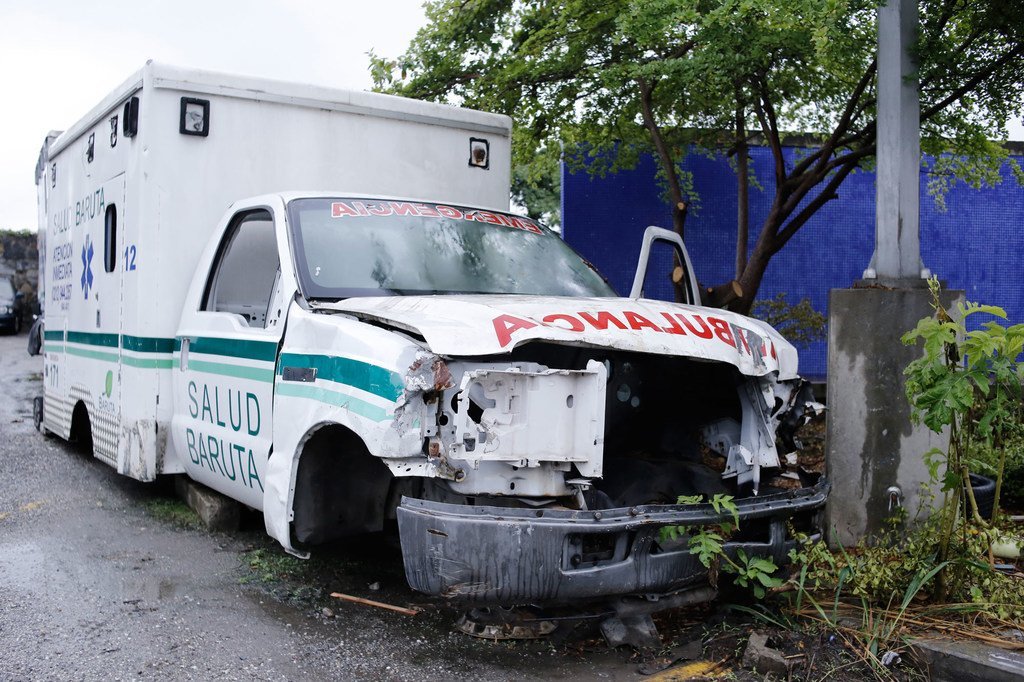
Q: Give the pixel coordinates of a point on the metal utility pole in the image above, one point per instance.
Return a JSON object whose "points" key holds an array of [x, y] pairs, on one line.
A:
{"points": [[897, 210], [874, 455]]}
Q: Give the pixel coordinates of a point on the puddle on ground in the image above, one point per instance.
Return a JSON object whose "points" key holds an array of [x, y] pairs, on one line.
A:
{"points": [[149, 589]]}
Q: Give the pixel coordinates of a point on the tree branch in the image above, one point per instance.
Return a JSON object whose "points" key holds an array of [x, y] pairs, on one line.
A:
{"points": [[812, 179], [828, 193], [854, 108], [680, 51], [742, 187], [971, 83], [771, 132], [848, 111], [679, 208]]}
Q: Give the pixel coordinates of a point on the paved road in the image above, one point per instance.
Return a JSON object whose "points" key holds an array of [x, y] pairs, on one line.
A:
{"points": [[93, 586]]}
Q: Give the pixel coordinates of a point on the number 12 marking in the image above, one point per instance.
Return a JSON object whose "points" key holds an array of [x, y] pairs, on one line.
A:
{"points": [[129, 257]]}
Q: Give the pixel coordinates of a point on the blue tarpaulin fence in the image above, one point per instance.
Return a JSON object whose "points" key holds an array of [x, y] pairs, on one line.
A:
{"points": [[976, 244]]}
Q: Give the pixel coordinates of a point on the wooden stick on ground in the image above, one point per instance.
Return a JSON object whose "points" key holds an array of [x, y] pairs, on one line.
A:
{"points": [[370, 602]]}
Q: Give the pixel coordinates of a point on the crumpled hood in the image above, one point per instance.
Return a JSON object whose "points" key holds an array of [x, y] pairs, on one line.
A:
{"points": [[459, 326]]}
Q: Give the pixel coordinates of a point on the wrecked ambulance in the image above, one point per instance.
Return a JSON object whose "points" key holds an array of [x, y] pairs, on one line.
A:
{"points": [[338, 359]]}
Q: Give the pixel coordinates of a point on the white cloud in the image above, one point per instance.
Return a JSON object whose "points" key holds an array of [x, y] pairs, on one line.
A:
{"points": [[58, 58]]}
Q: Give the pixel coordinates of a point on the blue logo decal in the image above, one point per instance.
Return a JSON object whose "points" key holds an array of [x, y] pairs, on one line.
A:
{"points": [[87, 252]]}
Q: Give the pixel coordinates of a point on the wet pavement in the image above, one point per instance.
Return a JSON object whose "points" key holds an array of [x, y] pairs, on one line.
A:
{"points": [[93, 586]]}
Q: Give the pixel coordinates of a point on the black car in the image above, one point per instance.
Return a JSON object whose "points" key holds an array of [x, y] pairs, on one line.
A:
{"points": [[10, 308]]}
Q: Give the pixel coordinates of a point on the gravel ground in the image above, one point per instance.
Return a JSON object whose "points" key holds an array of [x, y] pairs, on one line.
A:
{"points": [[93, 586]]}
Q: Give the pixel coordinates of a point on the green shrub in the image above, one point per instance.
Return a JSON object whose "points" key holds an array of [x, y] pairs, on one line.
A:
{"points": [[986, 459], [801, 324]]}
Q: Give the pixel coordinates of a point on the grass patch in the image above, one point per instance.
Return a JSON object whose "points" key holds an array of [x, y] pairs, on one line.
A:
{"points": [[299, 582], [272, 565], [173, 511]]}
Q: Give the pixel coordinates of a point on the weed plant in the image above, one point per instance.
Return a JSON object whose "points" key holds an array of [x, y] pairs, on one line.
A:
{"points": [[922, 572]]}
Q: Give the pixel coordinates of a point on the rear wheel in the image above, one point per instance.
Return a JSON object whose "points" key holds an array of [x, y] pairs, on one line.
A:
{"points": [[37, 413]]}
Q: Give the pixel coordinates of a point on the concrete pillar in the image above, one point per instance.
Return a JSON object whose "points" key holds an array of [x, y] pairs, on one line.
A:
{"points": [[871, 444]]}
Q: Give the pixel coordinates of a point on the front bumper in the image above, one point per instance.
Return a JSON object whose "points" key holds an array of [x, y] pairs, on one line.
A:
{"points": [[516, 555]]}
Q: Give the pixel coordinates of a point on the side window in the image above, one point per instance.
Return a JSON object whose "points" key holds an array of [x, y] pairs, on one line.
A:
{"points": [[246, 269], [110, 238]]}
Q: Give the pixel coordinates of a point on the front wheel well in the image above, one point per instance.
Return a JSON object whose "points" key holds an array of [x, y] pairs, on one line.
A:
{"points": [[340, 488]]}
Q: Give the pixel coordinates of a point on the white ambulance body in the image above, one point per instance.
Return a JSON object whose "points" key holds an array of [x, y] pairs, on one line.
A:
{"points": [[316, 303], [130, 196]]}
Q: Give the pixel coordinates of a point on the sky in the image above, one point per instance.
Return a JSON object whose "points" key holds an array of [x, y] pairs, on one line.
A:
{"points": [[59, 58]]}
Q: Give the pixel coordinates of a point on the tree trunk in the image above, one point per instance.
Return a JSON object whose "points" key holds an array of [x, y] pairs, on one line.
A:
{"points": [[742, 193], [675, 190], [750, 279]]}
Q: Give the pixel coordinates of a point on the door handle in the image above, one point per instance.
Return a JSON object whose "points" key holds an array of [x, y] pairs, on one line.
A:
{"points": [[183, 361]]}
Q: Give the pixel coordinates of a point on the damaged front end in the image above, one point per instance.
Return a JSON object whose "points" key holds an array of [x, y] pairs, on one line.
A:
{"points": [[547, 429], [563, 463], [557, 555]]}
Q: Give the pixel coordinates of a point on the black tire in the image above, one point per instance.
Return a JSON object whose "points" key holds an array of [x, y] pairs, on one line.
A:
{"points": [[984, 494], [35, 337], [37, 412]]}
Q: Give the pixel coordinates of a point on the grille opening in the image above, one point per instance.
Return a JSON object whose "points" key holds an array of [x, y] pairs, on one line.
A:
{"points": [[586, 550]]}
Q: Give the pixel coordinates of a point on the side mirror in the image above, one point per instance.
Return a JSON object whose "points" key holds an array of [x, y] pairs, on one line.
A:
{"points": [[18, 296]]}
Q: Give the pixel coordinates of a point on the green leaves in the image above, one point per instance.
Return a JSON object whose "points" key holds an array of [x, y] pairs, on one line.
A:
{"points": [[600, 84], [969, 382], [720, 502], [964, 374], [755, 573], [708, 545], [800, 323]]}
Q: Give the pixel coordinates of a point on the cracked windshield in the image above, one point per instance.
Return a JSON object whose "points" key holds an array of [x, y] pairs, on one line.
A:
{"points": [[366, 247]]}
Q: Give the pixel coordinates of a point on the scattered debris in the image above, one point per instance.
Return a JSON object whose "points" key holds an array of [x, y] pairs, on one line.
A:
{"points": [[500, 623], [379, 605], [30, 506], [691, 651], [762, 657], [638, 631], [632, 623], [327, 613], [498, 631], [697, 670], [1007, 548], [1014, 634], [374, 587], [890, 659]]}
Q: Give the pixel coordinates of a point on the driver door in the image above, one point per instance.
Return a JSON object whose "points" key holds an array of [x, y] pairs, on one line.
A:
{"points": [[227, 351]]}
